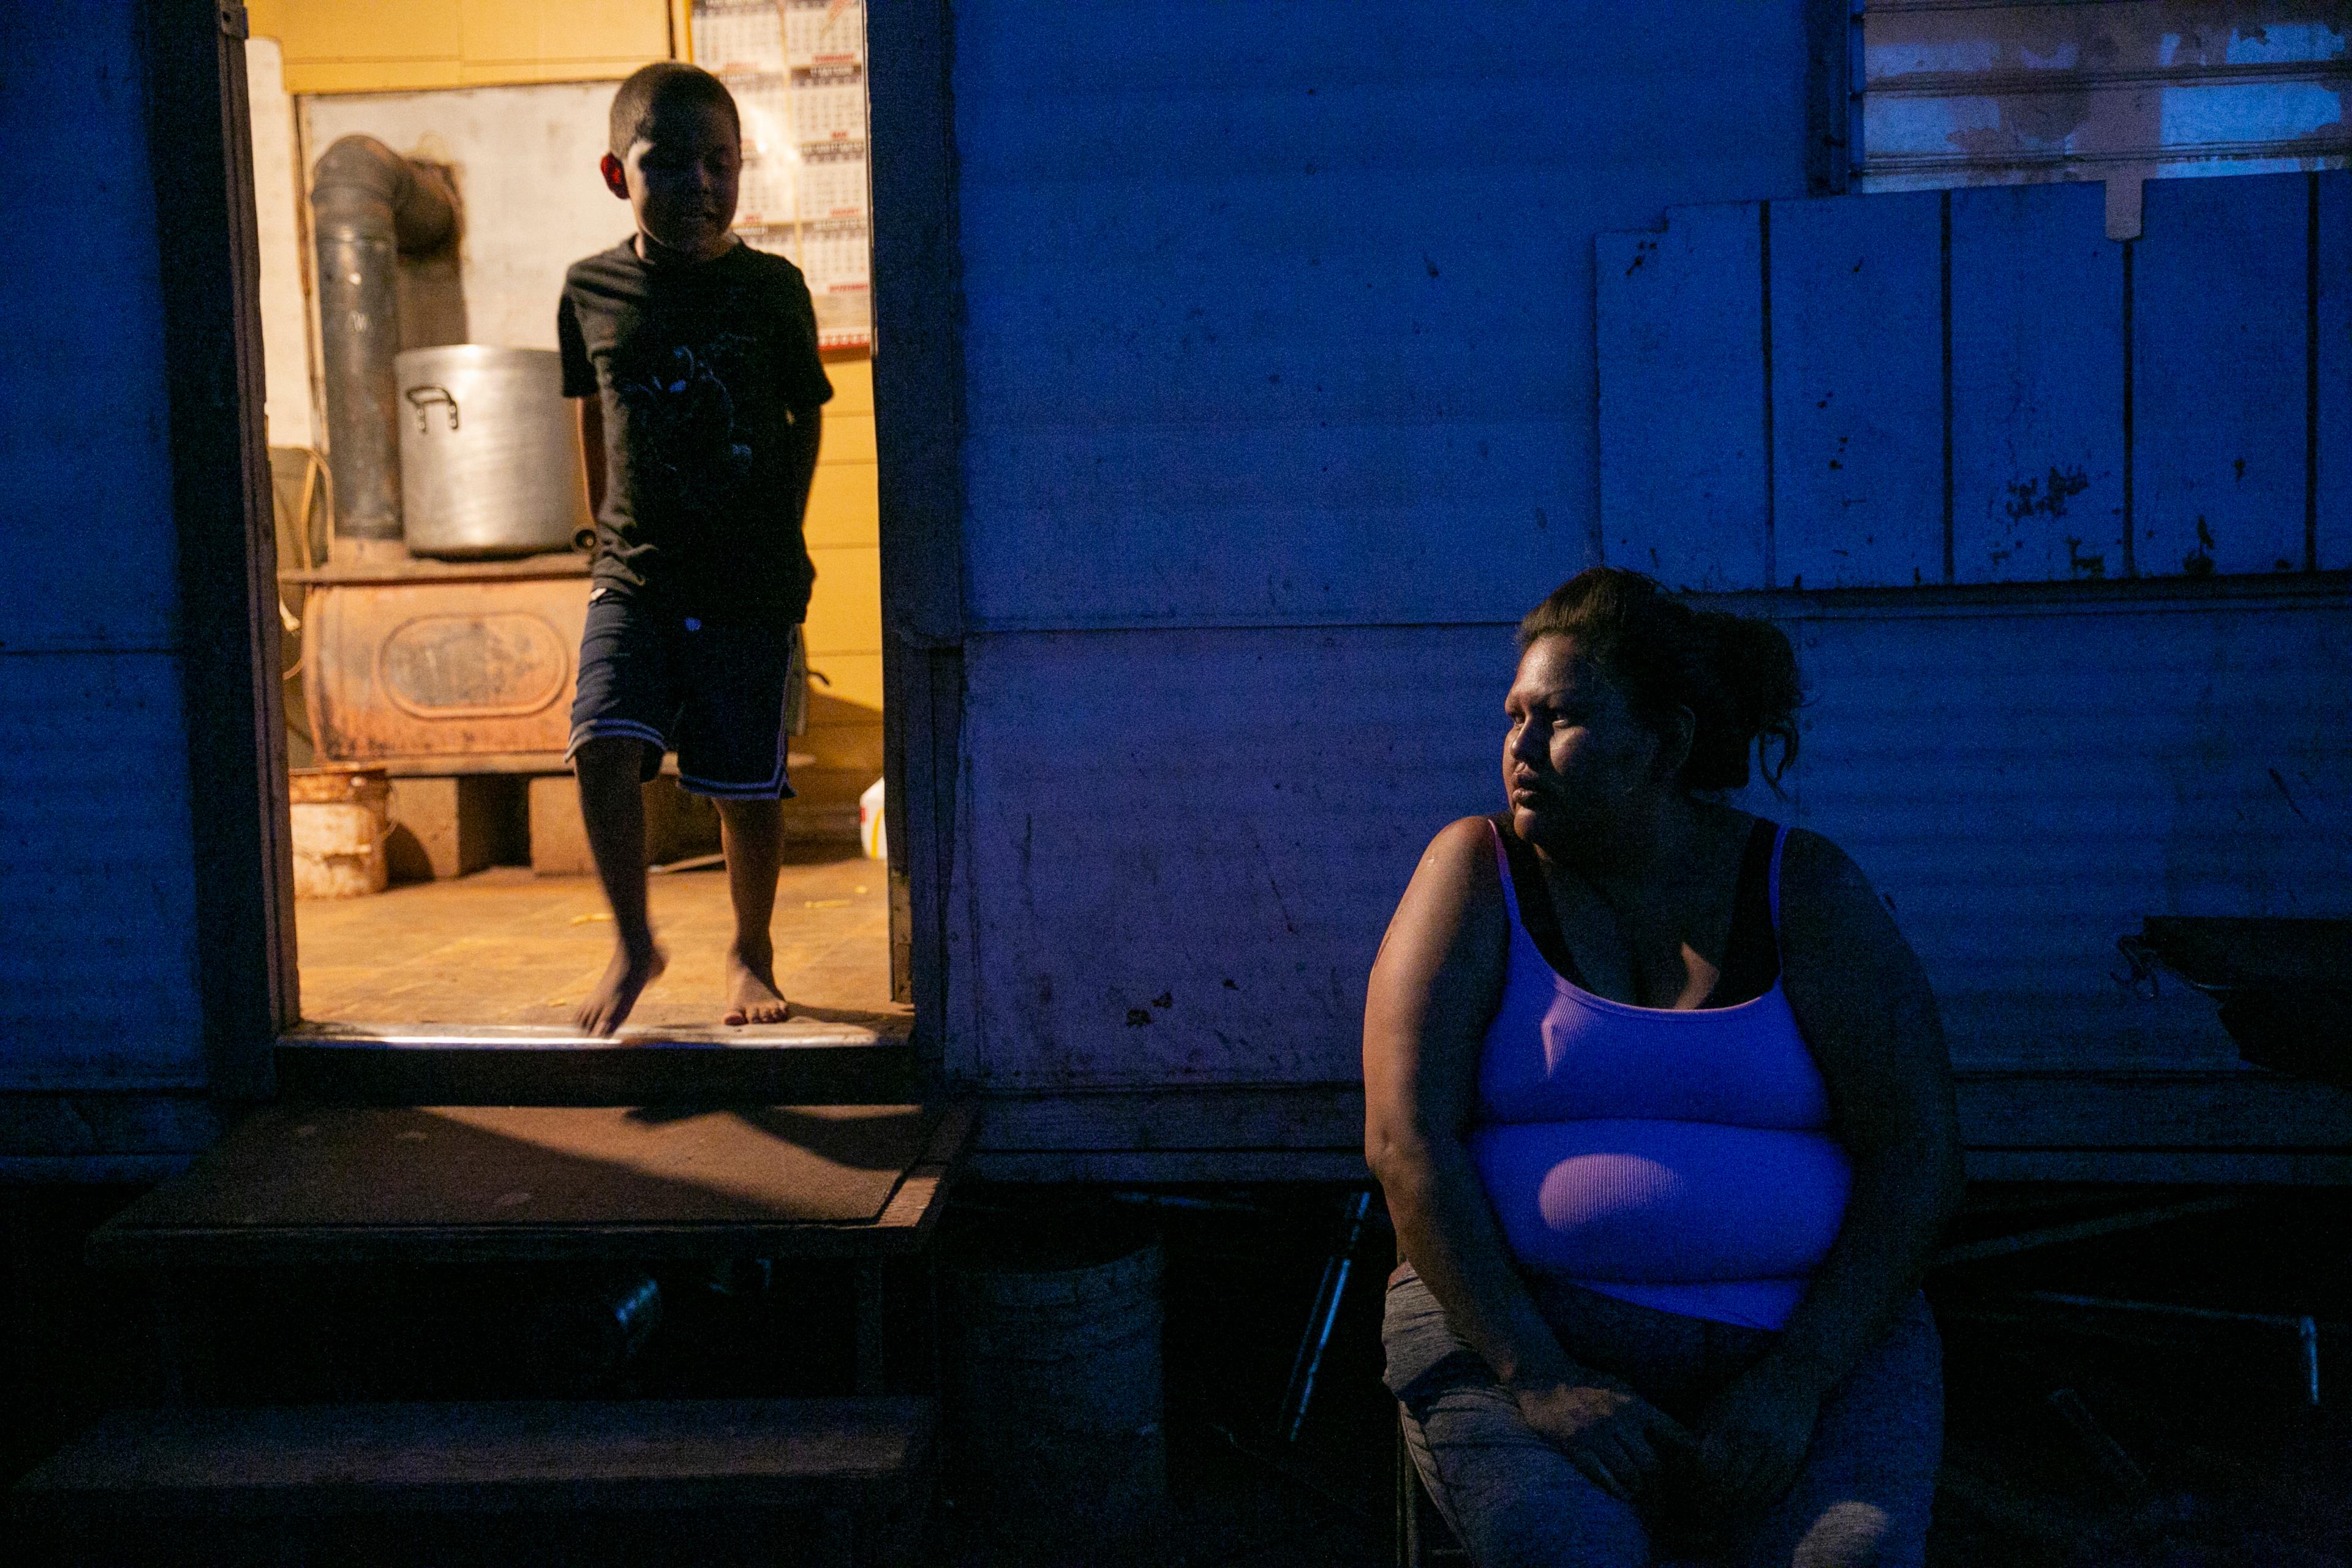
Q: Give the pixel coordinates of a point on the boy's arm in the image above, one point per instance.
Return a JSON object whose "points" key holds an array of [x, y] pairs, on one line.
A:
{"points": [[592, 449], [808, 432]]}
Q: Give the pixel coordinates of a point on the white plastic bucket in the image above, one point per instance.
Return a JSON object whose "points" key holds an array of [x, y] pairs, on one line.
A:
{"points": [[870, 831], [341, 817]]}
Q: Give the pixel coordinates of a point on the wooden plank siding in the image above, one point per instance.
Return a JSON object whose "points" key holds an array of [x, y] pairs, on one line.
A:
{"points": [[2090, 404], [1182, 847], [1857, 388], [2036, 326], [2025, 782], [1679, 325], [2219, 316]]}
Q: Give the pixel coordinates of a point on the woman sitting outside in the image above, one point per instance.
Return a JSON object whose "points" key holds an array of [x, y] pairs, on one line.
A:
{"points": [[1660, 1103]]}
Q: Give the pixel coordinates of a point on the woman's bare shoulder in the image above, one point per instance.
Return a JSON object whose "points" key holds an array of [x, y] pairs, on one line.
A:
{"points": [[1461, 858], [1832, 915], [1465, 838], [1816, 869], [1453, 884]]}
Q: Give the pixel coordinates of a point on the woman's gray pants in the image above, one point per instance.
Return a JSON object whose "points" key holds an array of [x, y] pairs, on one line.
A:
{"points": [[1515, 1501]]}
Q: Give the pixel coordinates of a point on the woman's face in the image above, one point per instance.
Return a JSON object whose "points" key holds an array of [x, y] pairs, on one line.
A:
{"points": [[1575, 760]]}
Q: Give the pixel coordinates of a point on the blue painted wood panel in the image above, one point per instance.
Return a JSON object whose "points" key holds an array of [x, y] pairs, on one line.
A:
{"points": [[1679, 334], [2219, 315], [98, 986], [85, 469], [1282, 313], [2037, 386], [1857, 391], [2334, 371]]}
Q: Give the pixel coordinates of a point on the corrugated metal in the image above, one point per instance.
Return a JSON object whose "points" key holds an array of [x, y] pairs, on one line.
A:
{"points": [[2025, 782], [1181, 849], [98, 986], [1972, 94], [98, 983]]}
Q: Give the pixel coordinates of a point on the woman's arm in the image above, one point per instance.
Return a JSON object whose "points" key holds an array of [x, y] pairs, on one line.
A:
{"points": [[1863, 1001], [1434, 988]]}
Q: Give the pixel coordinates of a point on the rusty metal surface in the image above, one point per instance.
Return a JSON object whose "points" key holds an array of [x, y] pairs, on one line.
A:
{"points": [[2036, 91], [437, 673]]}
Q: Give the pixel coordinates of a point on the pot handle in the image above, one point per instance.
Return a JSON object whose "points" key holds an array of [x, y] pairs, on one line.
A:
{"points": [[422, 397]]}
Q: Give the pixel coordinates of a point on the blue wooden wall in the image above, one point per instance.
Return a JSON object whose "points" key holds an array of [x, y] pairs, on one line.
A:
{"points": [[1307, 346], [1280, 315], [1279, 391], [98, 987], [1979, 387]]}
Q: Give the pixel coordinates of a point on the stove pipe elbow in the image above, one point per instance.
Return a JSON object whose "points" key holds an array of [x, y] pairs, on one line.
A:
{"points": [[368, 207]]}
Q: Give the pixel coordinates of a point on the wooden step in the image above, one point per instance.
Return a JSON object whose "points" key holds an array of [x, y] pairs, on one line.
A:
{"points": [[860, 1467], [338, 1185]]}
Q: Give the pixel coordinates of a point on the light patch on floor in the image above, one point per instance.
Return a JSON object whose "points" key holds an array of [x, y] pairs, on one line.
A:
{"points": [[507, 946]]}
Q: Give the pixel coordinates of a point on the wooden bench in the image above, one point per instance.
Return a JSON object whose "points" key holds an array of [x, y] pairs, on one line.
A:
{"points": [[820, 1481]]}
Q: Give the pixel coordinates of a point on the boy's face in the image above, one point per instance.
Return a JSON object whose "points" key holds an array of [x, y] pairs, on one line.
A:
{"points": [[680, 178]]}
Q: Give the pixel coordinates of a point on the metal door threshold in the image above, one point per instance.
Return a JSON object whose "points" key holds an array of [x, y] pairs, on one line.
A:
{"points": [[842, 1060]]}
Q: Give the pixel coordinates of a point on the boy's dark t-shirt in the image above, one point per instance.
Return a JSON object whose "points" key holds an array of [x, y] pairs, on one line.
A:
{"points": [[698, 366]]}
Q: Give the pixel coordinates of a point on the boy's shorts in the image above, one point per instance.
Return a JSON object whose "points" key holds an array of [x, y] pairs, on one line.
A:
{"points": [[725, 696]]}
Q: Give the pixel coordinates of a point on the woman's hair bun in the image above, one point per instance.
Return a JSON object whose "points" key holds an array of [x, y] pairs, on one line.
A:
{"points": [[1737, 674]]}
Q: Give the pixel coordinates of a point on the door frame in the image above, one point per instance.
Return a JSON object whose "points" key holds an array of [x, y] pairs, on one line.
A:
{"points": [[201, 160], [199, 133]]}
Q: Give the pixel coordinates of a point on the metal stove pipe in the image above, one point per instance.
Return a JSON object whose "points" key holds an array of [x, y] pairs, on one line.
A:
{"points": [[368, 204]]}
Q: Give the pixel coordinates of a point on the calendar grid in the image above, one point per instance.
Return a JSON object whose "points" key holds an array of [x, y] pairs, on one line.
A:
{"points": [[797, 69]]}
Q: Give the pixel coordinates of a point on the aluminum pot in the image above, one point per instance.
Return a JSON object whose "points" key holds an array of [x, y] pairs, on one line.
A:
{"points": [[490, 453]]}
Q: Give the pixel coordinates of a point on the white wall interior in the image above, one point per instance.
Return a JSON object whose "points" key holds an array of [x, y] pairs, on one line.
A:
{"points": [[525, 163], [277, 201]]}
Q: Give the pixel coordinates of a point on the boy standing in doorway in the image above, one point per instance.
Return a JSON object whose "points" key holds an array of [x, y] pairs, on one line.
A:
{"points": [[695, 361]]}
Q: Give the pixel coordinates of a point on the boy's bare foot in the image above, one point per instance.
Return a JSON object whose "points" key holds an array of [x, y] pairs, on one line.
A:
{"points": [[625, 979], [751, 993]]}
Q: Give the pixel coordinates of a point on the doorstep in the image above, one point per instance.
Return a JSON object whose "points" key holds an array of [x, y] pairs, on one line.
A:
{"points": [[340, 1186], [845, 1061]]}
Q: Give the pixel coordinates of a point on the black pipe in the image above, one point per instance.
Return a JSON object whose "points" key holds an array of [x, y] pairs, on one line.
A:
{"points": [[368, 206]]}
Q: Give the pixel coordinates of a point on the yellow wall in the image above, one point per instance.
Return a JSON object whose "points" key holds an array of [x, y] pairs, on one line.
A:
{"points": [[370, 46], [844, 618]]}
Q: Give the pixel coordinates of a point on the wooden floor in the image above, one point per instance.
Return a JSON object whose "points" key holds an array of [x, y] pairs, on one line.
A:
{"points": [[508, 947]]}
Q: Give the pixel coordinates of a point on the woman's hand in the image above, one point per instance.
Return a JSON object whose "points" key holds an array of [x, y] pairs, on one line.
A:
{"points": [[1753, 1438], [1617, 1438]]}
